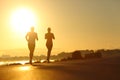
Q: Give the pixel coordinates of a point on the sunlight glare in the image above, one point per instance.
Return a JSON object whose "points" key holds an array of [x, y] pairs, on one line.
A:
{"points": [[22, 19]]}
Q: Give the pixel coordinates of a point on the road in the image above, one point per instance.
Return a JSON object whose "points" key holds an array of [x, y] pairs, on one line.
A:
{"points": [[92, 69]]}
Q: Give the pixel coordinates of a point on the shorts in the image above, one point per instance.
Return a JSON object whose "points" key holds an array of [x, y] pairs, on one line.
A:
{"points": [[31, 46]]}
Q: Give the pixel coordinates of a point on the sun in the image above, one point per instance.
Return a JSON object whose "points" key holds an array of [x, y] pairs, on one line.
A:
{"points": [[22, 19]]}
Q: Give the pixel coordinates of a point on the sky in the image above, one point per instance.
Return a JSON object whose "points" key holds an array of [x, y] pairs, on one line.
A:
{"points": [[76, 24]]}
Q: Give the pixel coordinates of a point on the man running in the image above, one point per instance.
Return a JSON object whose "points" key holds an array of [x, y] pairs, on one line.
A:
{"points": [[49, 43], [31, 37]]}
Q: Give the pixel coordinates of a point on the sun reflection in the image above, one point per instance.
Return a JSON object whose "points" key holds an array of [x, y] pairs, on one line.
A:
{"points": [[2, 63], [23, 62], [42, 61], [25, 68]]}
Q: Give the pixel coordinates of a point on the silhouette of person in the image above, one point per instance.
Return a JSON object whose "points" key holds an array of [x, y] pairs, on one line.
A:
{"points": [[31, 37], [49, 43]]}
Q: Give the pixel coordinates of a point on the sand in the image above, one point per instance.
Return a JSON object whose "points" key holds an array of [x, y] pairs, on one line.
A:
{"points": [[106, 68]]}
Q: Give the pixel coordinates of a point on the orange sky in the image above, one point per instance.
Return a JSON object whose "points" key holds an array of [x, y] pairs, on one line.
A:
{"points": [[77, 24]]}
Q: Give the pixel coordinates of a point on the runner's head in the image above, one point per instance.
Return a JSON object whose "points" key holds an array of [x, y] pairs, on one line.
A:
{"points": [[32, 29], [49, 29]]}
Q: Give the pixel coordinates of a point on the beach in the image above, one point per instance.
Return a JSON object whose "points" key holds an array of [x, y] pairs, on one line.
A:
{"points": [[106, 68]]}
